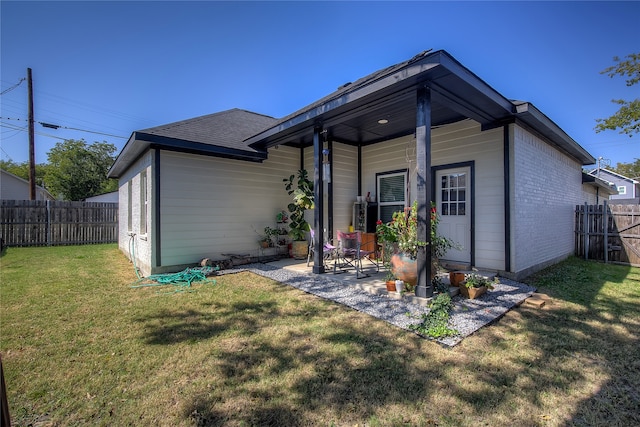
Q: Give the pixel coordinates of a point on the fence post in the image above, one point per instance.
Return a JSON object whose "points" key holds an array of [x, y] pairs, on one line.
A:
{"points": [[585, 230], [605, 225], [48, 225]]}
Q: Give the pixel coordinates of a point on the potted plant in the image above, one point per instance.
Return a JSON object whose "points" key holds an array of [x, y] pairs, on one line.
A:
{"points": [[475, 285], [401, 233], [266, 239], [302, 191]]}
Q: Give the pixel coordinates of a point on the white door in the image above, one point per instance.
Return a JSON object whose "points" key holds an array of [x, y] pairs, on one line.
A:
{"points": [[453, 201]]}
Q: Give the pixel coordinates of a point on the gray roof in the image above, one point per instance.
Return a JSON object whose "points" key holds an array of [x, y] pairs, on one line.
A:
{"points": [[220, 134], [224, 129]]}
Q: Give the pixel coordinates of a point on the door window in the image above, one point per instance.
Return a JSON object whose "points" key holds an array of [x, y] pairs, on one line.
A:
{"points": [[453, 194]]}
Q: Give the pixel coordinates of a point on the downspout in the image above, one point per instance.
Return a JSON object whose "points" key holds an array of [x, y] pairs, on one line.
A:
{"points": [[424, 288]]}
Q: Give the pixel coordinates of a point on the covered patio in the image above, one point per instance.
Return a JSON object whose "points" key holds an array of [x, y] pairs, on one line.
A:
{"points": [[430, 90]]}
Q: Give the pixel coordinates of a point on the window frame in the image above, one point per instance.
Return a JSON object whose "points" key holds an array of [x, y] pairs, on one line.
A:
{"points": [[404, 203]]}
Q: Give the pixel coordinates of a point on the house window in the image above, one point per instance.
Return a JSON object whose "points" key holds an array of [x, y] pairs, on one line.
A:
{"points": [[143, 202], [622, 190], [392, 195], [453, 194], [129, 206]]}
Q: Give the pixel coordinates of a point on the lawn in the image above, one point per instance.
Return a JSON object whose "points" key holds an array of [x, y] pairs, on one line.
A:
{"points": [[80, 346]]}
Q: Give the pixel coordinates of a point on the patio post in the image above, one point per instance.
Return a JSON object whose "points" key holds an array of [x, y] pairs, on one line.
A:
{"points": [[318, 194], [424, 287]]}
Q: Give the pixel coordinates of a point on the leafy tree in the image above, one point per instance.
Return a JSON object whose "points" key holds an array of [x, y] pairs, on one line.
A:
{"points": [[79, 170], [630, 170], [627, 118]]}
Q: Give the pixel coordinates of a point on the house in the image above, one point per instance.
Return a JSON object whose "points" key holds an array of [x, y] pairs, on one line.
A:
{"points": [[504, 177], [628, 189], [13, 187], [111, 197], [597, 190]]}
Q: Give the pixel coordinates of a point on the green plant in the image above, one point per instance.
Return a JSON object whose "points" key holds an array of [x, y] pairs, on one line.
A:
{"points": [[269, 234], [302, 191], [435, 323], [476, 281], [402, 231]]}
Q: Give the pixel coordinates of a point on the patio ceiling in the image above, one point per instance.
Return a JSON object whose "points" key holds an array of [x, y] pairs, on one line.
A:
{"points": [[351, 114]]}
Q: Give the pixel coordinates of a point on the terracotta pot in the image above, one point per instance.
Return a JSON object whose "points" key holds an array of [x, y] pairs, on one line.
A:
{"points": [[299, 249], [405, 268], [456, 278], [472, 293], [391, 285]]}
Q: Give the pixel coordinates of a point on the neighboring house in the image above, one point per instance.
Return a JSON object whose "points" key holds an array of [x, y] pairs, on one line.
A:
{"points": [[13, 187], [111, 197], [597, 190], [628, 188], [505, 178]]}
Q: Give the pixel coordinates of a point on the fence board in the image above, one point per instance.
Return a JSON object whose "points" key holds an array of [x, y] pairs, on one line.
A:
{"points": [[42, 223], [609, 233]]}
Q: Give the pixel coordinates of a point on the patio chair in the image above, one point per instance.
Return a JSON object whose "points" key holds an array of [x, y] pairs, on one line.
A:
{"points": [[328, 250], [351, 255]]}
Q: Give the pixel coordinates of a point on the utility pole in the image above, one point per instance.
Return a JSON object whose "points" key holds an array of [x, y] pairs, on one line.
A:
{"points": [[32, 149]]}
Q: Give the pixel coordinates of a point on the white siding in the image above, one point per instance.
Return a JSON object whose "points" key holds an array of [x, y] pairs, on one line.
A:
{"points": [[459, 142], [134, 241], [547, 185], [212, 206]]}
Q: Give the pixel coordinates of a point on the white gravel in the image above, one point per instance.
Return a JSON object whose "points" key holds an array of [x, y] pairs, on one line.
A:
{"points": [[467, 317]]}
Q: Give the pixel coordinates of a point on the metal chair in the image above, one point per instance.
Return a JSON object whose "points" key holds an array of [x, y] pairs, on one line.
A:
{"points": [[328, 250], [350, 254]]}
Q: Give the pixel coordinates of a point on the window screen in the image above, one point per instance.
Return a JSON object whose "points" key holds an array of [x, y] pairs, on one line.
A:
{"points": [[391, 194]]}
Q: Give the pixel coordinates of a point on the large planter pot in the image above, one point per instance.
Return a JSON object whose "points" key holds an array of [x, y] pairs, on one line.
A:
{"points": [[405, 268], [472, 293], [299, 249]]}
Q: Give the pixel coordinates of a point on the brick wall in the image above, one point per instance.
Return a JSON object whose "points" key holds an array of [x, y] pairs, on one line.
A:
{"points": [[547, 186]]}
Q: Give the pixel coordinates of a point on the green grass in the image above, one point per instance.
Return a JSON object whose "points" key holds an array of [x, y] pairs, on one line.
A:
{"points": [[81, 347]]}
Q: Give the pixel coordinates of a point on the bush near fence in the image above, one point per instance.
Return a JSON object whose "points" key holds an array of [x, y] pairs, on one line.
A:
{"points": [[48, 223]]}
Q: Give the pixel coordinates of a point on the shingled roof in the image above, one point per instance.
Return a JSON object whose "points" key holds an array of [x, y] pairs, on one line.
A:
{"points": [[224, 129], [220, 134]]}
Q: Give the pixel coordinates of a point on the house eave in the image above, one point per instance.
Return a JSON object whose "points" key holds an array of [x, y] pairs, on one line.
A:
{"points": [[528, 114], [600, 183], [139, 142], [454, 88]]}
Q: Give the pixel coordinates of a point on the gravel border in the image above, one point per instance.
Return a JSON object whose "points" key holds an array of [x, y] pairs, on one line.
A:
{"points": [[467, 317]]}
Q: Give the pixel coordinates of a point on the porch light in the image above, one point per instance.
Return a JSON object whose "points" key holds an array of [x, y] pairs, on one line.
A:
{"points": [[383, 121]]}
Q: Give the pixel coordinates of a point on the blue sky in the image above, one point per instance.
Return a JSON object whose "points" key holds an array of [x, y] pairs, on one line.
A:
{"points": [[116, 67]]}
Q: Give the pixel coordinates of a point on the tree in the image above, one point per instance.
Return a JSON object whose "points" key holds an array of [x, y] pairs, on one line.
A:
{"points": [[630, 170], [78, 170], [627, 118]]}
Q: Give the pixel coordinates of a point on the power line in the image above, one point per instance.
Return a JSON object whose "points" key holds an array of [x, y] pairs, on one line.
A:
{"points": [[52, 126], [13, 87]]}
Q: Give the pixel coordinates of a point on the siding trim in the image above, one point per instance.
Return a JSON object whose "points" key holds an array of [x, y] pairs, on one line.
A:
{"points": [[507, 199], [472, 167], [156, 195]]}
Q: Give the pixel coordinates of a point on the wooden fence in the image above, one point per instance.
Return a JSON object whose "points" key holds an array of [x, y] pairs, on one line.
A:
{"points": [[609, 233], [47, 223]]}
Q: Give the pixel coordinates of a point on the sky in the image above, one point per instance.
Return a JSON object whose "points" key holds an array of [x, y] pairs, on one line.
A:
{"points": [[102, 70]]}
